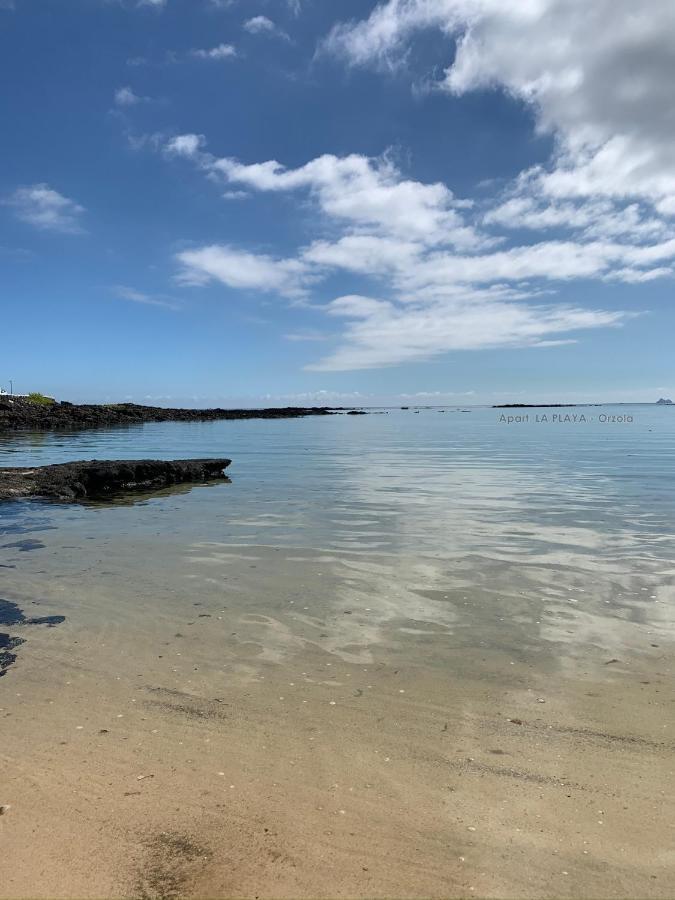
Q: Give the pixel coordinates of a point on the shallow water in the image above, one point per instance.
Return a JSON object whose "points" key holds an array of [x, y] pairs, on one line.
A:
{"points": [[408, 635]]}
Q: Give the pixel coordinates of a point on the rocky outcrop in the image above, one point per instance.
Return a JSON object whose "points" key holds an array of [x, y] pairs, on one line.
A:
{"points": [[21, 413], [98, 479]]}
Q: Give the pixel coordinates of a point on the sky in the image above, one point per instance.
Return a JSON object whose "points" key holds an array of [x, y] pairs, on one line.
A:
{"points": [[271, 202]]}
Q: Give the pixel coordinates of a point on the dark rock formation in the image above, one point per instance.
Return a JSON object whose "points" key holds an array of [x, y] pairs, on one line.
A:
{"points": [[99, 479], [531, 405], [664, 401], [20, 413], [11, 614], [7, 644]]}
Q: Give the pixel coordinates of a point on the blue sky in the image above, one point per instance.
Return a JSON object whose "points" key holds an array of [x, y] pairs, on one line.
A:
{"points": [[279, 202]]}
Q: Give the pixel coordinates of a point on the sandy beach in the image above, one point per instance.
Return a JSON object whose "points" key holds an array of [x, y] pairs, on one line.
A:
{"points": [[292, 745]]}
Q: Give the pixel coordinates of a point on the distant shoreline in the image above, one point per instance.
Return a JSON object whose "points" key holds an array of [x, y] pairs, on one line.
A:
{"points": [[539, 405], [18, 413]]}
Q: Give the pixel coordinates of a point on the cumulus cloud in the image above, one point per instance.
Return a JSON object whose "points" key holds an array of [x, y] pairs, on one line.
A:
{"points": [[597, 75], [47, 209], [125, 96], [243, 270], [215, 54], [264, 25], [259, 24], [186, 145]]}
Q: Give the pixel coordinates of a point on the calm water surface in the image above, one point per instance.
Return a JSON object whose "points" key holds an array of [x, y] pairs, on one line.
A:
{"points": [[547, 510], [423, 483]]}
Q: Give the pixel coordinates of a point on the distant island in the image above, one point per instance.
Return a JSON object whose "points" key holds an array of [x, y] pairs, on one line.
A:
{"points": [[664, 402], [39, 413], [531, 405]]}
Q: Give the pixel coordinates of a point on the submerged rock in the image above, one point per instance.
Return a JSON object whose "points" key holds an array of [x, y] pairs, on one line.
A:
{"points": [[7, 644], [99, 479], [12, 615]]}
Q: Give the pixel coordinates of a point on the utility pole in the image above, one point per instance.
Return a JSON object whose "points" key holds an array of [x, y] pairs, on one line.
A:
{"points": [[11, 388]]}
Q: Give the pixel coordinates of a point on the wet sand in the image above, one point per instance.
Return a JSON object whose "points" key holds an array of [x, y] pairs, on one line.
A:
{"points": [[266, 722]]}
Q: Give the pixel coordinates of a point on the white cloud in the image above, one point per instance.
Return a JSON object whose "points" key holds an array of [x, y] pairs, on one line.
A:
{"points": [[154, 4], [259, 24], [361, 192], [186, 145], [134, 296], [264, 25], [47, 209], [243, 270], [125, 96], [365, 253], [548, 260], [382, 334], [640, 276], [598, 218], [215, 54]]}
